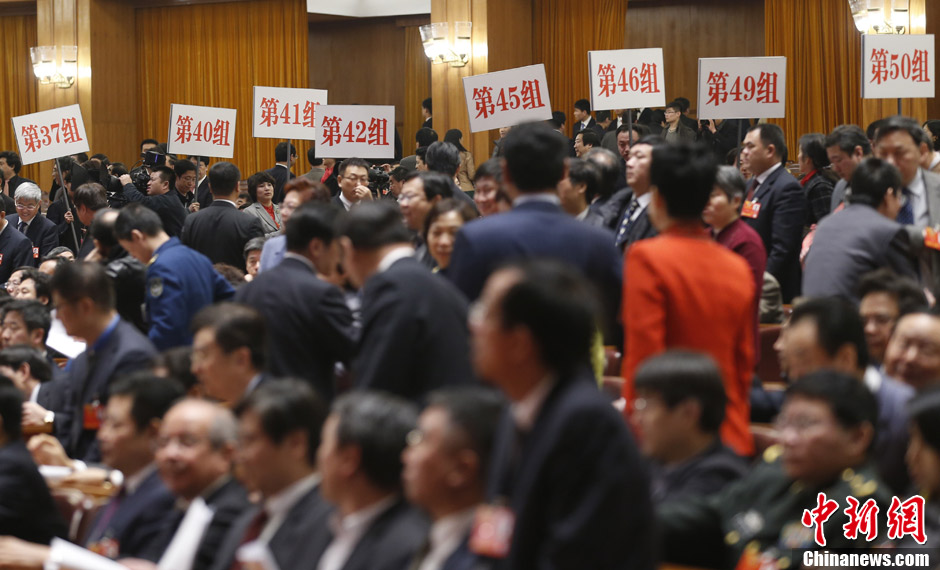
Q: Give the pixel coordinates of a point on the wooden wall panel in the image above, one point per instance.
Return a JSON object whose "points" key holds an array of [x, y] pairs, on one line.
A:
{"points": [[361, 62], [688, 30], [417, 84], [932, 18], [19, 97]]}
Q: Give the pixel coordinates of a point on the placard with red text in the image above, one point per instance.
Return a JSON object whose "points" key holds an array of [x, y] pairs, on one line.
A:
{"points": [[365, 131], [285, 113], [898, 66], [742, 87], [507, 98], [50, 134], [627, 78], [202, 131]]}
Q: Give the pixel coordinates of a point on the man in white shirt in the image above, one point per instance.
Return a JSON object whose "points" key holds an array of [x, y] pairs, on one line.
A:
{"points": [[360, 460], [446, 464]]}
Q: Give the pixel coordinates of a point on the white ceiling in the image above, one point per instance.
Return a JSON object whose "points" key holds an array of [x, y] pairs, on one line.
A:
{"points": [[368, 8]]}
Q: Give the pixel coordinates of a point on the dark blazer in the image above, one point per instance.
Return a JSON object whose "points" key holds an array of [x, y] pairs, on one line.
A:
{"points": [[220, 232], [14, 183], [592, 124], [641, 228], [891, 433], [575, 480], [310, 326], [125, 350], [228, 502], [281, 176], [536, 229], [391, 541], [203, 194], [612, 208], [594, 219], [56, 213], [780, 223], [427, 123], [55, 396], [136, 519], [15, 251], [9, 206], [42, 232], [299, 541], [171, 211], [851, 243], [27, 510], [414, 333]]}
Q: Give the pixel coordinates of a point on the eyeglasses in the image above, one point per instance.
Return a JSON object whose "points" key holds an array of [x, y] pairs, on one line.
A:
{"points": [[28, 207], [409, 197], [799, 424], [363, 180]]}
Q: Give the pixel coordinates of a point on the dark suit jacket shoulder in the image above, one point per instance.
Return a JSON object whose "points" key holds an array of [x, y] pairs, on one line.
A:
{"points": [[392, 540], [42, 233], [850, 243], [311, 327], [281, 177], [220, 232], [580, 480], [414, 333], [27, 510], [15, 251]]}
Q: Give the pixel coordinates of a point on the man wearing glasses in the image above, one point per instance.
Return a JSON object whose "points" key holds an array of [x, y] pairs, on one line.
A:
{"points": [[353, 183], [42, 232], [674, 130]]}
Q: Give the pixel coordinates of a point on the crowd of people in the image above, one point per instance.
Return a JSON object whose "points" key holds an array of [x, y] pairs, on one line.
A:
{"points": [[543, 361]]}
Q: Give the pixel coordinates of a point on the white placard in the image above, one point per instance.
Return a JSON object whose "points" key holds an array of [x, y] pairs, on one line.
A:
{"points": [[50, 134], [507, 98], [285, 113], [898, 66], [202, 131], [627, 78], [742, 87], [364, 131]]}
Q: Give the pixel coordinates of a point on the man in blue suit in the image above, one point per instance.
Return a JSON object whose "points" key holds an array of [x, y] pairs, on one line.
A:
{"points": [[84, 299], [533, 165], [180, 281], [775, 205], [42, 232]]}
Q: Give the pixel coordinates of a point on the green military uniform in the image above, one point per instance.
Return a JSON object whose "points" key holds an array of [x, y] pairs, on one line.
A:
{"points": [[761, 516]]}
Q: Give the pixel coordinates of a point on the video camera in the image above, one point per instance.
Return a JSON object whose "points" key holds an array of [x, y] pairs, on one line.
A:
{"points": [[149, 161], [378, 181]]}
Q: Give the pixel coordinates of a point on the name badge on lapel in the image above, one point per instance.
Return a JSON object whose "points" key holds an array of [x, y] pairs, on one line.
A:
{"points": [[932, 238], [92, 415], [35, 253], [751, 209], [492, 531]]}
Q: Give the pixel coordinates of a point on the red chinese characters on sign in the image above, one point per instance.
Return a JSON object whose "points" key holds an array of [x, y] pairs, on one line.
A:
{"points": [[759, 89], [641, 79], [374, 132], [912, 66], [525, 96], [273, 113], [36, 137], [214, 132], [905, 518]]}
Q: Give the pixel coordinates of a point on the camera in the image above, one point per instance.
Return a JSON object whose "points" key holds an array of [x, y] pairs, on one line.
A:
{"points": [[378, 181], [150, 160]]}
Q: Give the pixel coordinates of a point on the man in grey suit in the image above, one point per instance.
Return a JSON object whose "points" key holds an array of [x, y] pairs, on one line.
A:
{"points": [[900, 141], [862, 237], [846, 147]]}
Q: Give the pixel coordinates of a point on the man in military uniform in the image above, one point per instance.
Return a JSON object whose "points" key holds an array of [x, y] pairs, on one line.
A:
{"points": [[180, 281], [826, 430]]}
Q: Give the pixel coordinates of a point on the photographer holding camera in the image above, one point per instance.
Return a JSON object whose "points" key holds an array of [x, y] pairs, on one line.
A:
{"points": [[158, 198]]}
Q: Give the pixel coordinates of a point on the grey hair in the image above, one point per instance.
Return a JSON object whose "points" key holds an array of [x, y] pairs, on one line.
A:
{"points": [[224, 429], [28, 191], [730, 181]]}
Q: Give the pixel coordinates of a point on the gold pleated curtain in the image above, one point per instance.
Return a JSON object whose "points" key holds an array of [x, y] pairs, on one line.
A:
{"points": [[212, 55], [585, 25], [18, 96]]}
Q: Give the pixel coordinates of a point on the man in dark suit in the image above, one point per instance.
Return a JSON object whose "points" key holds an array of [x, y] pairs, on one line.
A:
{"points": [[281, 172], [221, 231], [230, 351], [28, 219], [566, 474], [360, 460], [279, 427], [846, 147], [15, 248], [26, 507], [445, 469], [860, 238], [162, 198], [311, 328], [132, 520], [578, 189], [444, 157], [534, 163], [203, 194], [45, 397], [426, 113], [195, 455], [89, 199], [775, 205], [583, 119], [10, 165], [414, 332], [84, 298]]}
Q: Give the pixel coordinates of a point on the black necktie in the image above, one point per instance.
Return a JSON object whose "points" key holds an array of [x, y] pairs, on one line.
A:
{"points": [[627, 222], [23, 227]]}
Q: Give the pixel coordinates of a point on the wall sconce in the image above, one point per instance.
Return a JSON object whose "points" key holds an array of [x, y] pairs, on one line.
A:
{"points": [[49, 70], [439, 50], [870, 17]]}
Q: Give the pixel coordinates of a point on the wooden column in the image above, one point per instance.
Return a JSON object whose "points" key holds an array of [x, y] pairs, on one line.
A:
{"points": [[932, 17], [502, 39], [106, 86]]}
